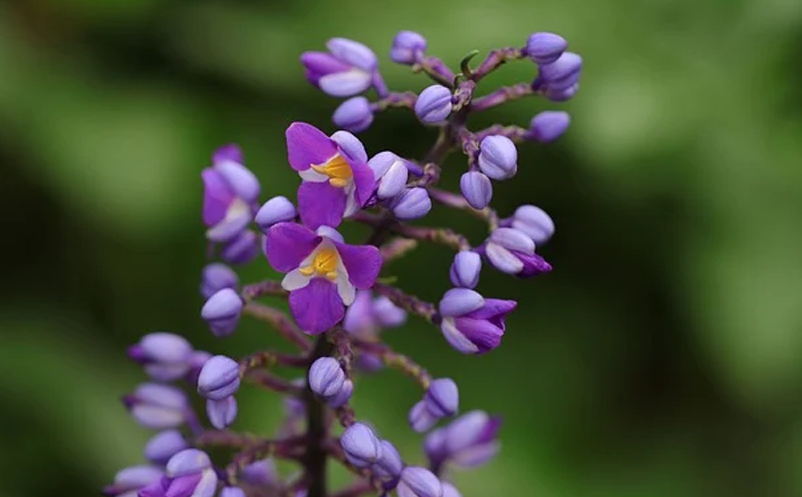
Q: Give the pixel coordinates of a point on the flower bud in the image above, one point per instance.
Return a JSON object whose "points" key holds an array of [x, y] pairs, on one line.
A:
{"points": [[166, 356], [545, 48], [562, 94], [471, 329], [470, 440], [390, 463], [352, 52], [219, 378], [563, 72], [419, 482], [215, 277], [326, 377], [132, 479], [276, 210], [360, 445], [408, 47], [187, 462], [476, 189], [465, 269], [513, 252], [354, 115], [158, 406], [442, 398], [459, 301], [498, 157], [548, 125], [450, 490], [394, 181], [232, 492], [221, 413], [164, 445], [388, 314], [433, 104], [534, 222], [222, 312], [242, 249], [412, 203], [342, 397], [261, 474], [420, 418]]}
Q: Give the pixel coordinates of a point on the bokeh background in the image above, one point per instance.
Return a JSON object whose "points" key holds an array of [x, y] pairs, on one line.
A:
{"points": [[662, 357]]}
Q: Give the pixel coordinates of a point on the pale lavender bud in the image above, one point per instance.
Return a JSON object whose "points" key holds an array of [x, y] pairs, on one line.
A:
{"points": [[535, 222], [354, 114], [368, 362], [222, 312], [221, 413], [545, 48], [162, 446], [459, 301], [388, 314], [360, 445], [352, 52], [390, 463], [434, 445], [548, 125], [261, 473], [343, 396], [242, 249], [127, 481], [219, 378], [199, 358], [187, 462], [419, 482], [562, 94], [476, 189], [203, 484], [563, 72], [276, 210], [471, 439], [442, 398], [158, 406], [166, 356], [408, 47], [394, 181], [232, 492], [465, 269], [420, 418], [326, 377], [215, 277], [498, 157], [412, 203], [479, 330], [433, 104], [513, 252], [450, 490]]}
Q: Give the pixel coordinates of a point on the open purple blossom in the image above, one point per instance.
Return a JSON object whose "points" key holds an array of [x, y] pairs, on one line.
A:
{"points": [[349, 68], [230, 194]]}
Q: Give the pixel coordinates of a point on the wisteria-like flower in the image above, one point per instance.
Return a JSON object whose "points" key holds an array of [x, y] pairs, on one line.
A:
{"points": [[230, 193]]}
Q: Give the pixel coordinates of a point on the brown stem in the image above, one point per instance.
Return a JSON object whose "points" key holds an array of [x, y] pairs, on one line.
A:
{"points": [[272, 382], [496, 59], [315, 458], [267, 287], [281, 322], [397, 248], [458, 202], [287, 449], [396, 361], [409, 303], [356, 489]]}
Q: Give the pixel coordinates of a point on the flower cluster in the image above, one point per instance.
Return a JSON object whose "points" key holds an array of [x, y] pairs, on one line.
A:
{"points": [[338, 306]]}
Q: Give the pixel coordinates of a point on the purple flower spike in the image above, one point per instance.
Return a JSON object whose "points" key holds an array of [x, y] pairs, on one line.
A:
{"points": [[158, 406], [548, 125], [390, 463], [166, 356], [219, 378], [465, 269], [322, 274], [473, 329], [129, 480], [355, 115], [164, 445], [545, 48], [215, 277], [336, 179], [343, 396], [188, 462], [513, 252], [450, 490], [433, 104], [230, 191], [222, 312], [326, 377], [408, 48], [470, 440], [419, 482], [242, 249], [221, 413], [412, 203], [442, 398], [534, 222], [360, 445], [232, 492], [563, 72], [498, 157], [276, 210], [476, 189], [346, 71], [420, 418]]}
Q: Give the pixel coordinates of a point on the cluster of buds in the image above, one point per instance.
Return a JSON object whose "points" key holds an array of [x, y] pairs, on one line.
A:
{"points": [[338, 306]]}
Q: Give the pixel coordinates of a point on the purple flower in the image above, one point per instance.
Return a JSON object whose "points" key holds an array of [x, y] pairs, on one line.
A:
{"points": [[360, 445], [472, 324], [412, 203], [164, 445], [545, 48], [498, 157], [323, 273], [476, 189], [419, 482], [219, 378], [336, 179], [548, 125], [221, 413], [276, 210], [166, 356], [465, 269], [241, 249], [217, 276], [230, 193], [408, 47], [158, 406], [127, 481], [222, 312], [354, 115], [513, 252], [347, 70], [391, 173], [433, 104], [189, 474], [533, 221]]}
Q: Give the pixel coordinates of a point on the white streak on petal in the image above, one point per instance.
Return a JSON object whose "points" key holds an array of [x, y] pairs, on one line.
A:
{"points": [[345, 289], [312, 176], [456, 338], [345, 84], [351, 205], [294, 280], [503, 259]]}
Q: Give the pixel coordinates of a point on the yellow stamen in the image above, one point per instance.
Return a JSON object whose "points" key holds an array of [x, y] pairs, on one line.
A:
{"points": [[337, 169], [324, 264]]}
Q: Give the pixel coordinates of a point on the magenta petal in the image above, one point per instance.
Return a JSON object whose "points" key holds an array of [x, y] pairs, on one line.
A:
{"points": [[363, 263], [481, 333], [217, 196], [494, 310], [317, 307], [230, 152], [288, 244], [321, 204], [364, 181], [307, 145]]}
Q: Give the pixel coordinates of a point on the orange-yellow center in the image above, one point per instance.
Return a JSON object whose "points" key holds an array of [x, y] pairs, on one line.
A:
{"points": [[337, 169], [324, 264]]}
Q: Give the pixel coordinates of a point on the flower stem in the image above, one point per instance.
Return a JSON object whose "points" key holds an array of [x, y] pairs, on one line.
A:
{"points": [[281, 322], [315, 458], [496, 59], [409, 303]]}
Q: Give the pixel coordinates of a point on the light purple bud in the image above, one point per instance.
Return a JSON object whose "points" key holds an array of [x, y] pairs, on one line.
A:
{"points": [[352, 52], [548, 125], [420, 418], [498, 157], [408, 47], [513, 239], [157, 488], [203, 484], [326, 376], [388, 314], [476, 189], [165, 348], [359, 315], [412, 203], [261, 473], [221, 413], [232, 492], [545, 48], [215, 277], [219, 378], [465, 269], [459, 301], [187, 462], [390, 463], [442, 398], [354, 114], [419, 482], [558, 73], [158, 406], [471, 439], [394, 180], [534, 222], [562, 94], [450, 490], [433, 104], [132, 478], [242, 249], [198, 359], [360, 445], [435, 446], [369, 363], [222, 312], [342, 396], [162, 446], [276, 210]]}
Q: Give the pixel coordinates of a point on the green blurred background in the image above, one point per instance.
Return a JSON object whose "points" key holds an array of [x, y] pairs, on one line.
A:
{"points": [[662, 357]]}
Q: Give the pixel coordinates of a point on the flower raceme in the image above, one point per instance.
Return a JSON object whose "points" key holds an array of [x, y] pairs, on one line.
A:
{"points": [[339, 308]]}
